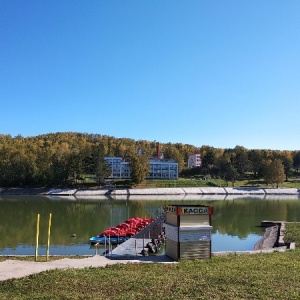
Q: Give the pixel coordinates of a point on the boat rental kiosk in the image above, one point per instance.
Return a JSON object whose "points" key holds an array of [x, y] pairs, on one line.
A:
{"points": [[188, 231]]}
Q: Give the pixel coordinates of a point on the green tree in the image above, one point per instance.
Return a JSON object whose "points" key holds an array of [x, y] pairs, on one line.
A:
{"points": [[226, 170], [296, 161], [208, 159], [241, 161], [75, 165], [139, 168], [231, 174], [99, 165], [287, 162], [59, 172], [273, 172], [256, 162]]}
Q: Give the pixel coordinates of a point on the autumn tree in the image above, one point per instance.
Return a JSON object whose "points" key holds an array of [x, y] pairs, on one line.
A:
{"points": [[185, 150], [171, 152]]}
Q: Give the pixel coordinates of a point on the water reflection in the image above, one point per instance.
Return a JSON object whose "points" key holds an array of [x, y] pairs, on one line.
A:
{"points": [[235, 221]]}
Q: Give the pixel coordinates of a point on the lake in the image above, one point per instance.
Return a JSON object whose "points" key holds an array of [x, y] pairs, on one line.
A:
{"points": [[236, 221]]}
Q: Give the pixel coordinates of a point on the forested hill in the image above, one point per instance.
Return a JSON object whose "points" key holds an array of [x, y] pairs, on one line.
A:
{"points": [[54, 158]]}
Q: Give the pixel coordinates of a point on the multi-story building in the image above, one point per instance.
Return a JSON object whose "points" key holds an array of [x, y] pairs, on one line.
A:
{"points": [[194, 160], [118, 167], [163, 169], [159, 168]]}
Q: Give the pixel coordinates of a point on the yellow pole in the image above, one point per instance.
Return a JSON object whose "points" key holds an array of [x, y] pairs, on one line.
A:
{"points": [[48, 243], [37, 236]]}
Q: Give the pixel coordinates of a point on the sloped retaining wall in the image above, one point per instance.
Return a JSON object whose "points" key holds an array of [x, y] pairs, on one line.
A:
{"points": [[269, 239], [274, 235], [200, 191], [186, 191]]}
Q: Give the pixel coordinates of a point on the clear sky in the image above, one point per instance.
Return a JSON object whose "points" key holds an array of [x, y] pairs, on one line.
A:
{"points": [[215, 72]]}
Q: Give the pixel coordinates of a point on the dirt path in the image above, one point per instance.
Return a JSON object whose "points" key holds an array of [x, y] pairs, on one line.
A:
{"points": [[10, 269], [16, 268]]}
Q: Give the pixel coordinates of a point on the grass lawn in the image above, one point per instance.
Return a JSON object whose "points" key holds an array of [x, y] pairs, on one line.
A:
{"points": [[259, 276], [194, 182]]}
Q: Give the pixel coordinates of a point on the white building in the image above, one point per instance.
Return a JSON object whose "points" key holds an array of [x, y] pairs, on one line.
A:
{"points": [[118, 167], [159, 168], [163, 169], [194, 160]]}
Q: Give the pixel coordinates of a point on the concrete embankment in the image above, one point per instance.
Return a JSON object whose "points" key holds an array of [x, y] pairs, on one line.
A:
{"points": [[273, 237], [181, 193], [156, 193]]}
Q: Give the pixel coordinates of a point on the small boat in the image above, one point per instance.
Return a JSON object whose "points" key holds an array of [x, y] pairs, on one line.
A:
{"points": [[113, 240], [119, 234]]}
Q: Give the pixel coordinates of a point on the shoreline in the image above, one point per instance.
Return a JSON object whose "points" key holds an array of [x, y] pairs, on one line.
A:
{"points": [[201, 191]]}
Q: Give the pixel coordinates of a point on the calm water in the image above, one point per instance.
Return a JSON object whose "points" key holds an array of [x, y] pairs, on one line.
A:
{"points": [[235, 221]]}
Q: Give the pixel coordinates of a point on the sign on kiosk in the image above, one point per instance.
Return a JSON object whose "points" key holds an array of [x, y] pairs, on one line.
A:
{"points": [[196, 210], [189, 210]]}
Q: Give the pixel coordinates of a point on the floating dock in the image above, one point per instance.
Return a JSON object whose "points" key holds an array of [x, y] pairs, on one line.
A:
{"points": [[134, 246]]}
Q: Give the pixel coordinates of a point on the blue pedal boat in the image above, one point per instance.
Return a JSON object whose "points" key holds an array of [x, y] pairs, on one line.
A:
{"points": [[102, 240]]}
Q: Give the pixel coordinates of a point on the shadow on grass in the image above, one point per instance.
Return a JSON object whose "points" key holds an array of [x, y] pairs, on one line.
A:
{"points": [[212, 184], [252, 183]]}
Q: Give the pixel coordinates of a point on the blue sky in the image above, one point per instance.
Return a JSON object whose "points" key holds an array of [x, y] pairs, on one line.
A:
{"points": [[218, 73]]}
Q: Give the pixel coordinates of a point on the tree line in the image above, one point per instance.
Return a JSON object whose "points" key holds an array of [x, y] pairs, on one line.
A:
{"points": [[273, 166], [64, 158]]}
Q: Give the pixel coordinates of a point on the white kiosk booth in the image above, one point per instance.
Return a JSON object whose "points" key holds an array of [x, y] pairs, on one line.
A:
{"points": [[188, 231]]}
